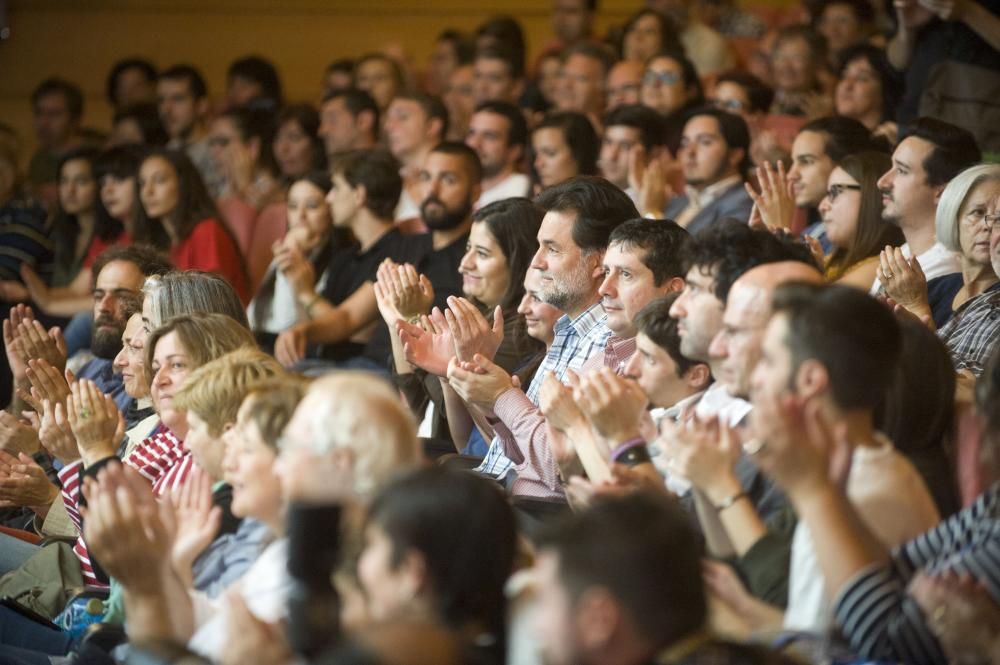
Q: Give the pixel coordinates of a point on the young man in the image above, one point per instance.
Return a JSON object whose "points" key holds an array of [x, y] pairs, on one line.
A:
{"points": [[182, 99], [818, 365], [498, 75], [366, 187], [626, 128], [499, 135], [414, 124], [57, 106], [349, 120], [715, 156], [929, 155]]}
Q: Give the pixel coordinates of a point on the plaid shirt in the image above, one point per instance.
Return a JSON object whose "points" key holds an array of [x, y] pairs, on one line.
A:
{"points": [[971, 333], [520, 442]]}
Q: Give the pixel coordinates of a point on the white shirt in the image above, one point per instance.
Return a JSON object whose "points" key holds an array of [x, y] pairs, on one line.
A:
{"points": [[264, 588], [407, 208], [935, 262], [891, 499], [516, 184]]}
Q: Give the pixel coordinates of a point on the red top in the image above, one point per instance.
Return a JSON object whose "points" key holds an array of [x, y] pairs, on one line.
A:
{"points": [[211, 249], [98, 245]]}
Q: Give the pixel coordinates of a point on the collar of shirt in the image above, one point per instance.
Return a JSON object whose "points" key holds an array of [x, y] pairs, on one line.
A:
{"points": [[583, 324], [617, 352], [705, 197]]}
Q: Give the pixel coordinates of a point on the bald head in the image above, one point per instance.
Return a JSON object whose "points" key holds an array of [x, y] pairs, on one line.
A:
{"points": [[624, 83], [748, 308]]}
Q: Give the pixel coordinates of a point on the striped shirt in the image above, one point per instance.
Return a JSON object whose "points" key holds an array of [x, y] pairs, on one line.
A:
{"points": [[24, 240], [162, 459], [972, 332], [520, 441], [874, 610]]}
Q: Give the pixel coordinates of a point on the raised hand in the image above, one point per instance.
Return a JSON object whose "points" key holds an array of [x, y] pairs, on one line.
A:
{"points": [[17, 436], [775, 203], [429, 346], [480, 382], [95, 421], [648, 177], [40, 344], [555, 400], [903, 280], [17, 357], [55, 433], [195, 522], [470, 330], [47, 382], [409, 293], [124, 529], [705, 453], [613, 404], [24, 483], [297, 269]]}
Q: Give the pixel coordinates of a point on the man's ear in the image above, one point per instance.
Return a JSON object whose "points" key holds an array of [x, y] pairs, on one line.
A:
{"points": [[596, 259], [675, 285], [736, 156], [598, 618], [937, 194], [698, 376], [360, 195], [812, 379]]}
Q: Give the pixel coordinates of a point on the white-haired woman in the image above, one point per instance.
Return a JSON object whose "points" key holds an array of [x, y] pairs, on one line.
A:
{"points": [[962, 227]]}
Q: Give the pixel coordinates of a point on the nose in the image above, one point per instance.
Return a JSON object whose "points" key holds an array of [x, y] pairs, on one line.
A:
{"points": [[719, 348], [106, 303], [468, 262], [632, 367], [825, 205], [607, 288], [885, 182], [537, 261], [121, 360]]}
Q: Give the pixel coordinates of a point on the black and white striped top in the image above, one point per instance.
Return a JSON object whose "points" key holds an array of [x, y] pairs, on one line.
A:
{"points": [[874, 610]]}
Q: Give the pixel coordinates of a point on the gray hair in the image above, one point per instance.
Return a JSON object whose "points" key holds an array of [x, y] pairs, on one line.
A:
{"points": [[361, 412], [953, 198], [191, 292]]}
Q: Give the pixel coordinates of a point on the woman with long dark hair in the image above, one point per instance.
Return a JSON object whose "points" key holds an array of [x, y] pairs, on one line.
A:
{"points": [[852, 217], [178, 215]]}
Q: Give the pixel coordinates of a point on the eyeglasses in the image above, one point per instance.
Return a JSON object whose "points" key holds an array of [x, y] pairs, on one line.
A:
{"points": [[835, 190], [218, 141], [992, 221], [663, 78], [731, 105]]}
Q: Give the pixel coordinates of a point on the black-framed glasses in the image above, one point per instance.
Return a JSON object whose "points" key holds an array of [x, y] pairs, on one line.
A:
{"points": [[835, 190]]}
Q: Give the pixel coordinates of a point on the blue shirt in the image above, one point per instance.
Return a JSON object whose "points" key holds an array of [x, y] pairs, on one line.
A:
{"points": [[102, 372]]}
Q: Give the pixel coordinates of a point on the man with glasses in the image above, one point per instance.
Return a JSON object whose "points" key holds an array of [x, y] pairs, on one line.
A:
{"points": [[624, 84]]}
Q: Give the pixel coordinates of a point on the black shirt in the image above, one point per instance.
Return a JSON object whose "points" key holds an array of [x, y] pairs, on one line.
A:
{"points": [[349, 270]]}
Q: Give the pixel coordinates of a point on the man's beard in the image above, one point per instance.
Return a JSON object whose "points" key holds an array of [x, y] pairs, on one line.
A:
{"points": [[446, 219], [106, 343], [568, 293]]}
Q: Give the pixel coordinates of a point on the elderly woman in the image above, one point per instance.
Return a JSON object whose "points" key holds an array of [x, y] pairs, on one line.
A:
{"points": [[962, 227]]}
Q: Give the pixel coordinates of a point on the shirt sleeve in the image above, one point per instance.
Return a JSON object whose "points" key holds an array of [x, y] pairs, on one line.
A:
{"points": [[533, 460]]}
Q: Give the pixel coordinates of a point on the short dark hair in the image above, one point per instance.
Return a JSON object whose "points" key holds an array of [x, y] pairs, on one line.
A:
{"points": [[618, 543], [397, 71], [654, 321], [149, 260], [760, 94], [646, 120], [464, 529], [121, 161], [506, 54], [889, 79], [955, 148], [56, 86], [506, 31], [579, 135], [345, 65], [468, 155], [815, 41], [262, 72], [600, 207], [734, 131], [465, 47], [147, 117], [853, 335], [729, 248], [432, 106], [597, 52], [190, 75], [841, 136], [147, 68], [255, 122], [513, 223], [357, 101], [307, 118], [663, 240], [688, 72], [378, 172], [517, 126], [863, 9]]}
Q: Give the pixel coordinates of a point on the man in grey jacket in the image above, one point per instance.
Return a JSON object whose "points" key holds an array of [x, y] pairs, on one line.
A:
{"points": [[715, 155]]}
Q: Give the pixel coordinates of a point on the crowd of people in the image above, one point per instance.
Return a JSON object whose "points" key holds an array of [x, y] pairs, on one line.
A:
{"points": [[676, 344]]}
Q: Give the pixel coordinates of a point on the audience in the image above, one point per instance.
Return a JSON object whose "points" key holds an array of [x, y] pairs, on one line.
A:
{"points": [[794, 353]]}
